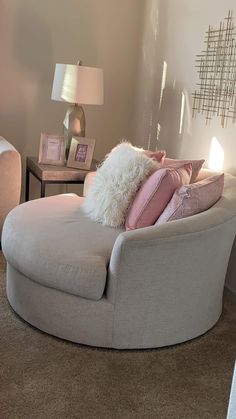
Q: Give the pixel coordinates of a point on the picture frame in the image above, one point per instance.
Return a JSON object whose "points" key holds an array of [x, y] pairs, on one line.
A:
{"points": [[52, 149], [81, 153]]}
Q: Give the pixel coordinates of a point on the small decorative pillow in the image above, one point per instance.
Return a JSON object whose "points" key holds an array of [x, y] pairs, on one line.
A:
{"points": [[196, 166], [192, 199], [155, 194], [159, 156], [116, 183]]}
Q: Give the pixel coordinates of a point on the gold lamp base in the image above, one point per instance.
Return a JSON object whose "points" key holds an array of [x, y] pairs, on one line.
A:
{"points": [[74, 124]]}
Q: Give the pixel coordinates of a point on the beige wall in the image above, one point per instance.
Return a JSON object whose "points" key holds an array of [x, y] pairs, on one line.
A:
{"points": [[173, 33], [34, 35]]}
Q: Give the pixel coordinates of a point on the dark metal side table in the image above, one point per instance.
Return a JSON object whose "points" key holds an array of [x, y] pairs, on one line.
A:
{"points": [[48, 174]]}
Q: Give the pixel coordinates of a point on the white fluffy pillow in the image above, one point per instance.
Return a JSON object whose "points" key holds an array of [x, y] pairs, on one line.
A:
{"points": [[116, 183]]}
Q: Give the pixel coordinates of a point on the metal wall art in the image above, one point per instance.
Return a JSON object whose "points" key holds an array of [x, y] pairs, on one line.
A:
{"points": [[217, 73]]}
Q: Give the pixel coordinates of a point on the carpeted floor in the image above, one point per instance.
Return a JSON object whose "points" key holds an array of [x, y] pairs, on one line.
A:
{"points": [[44, 377]]}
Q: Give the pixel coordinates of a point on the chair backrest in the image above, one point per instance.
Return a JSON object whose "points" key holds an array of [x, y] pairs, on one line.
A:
{"points": [[172, 276]]}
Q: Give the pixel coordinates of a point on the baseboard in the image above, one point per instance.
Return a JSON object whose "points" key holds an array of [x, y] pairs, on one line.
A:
{"points": [[231, 294]]}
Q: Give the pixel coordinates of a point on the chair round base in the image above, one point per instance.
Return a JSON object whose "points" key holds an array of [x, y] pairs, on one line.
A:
{"points": [[73, 318]]}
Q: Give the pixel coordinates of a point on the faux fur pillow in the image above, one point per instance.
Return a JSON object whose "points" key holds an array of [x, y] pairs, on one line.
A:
{"points": [[116, 183]]}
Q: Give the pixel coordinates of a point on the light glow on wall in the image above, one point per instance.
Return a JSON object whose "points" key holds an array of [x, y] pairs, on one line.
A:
{"points": [[216, 155], [182, 113], [163, 81]]}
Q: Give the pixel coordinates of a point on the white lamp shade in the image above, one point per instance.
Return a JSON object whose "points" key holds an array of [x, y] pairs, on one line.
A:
{"points": [[58, 80], [78, 84]]}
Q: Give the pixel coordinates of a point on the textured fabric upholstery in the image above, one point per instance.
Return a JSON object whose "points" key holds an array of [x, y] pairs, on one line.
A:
{"points": [[51, 241], [164, 284], [59, 313], [179, 293], [10, 179]]}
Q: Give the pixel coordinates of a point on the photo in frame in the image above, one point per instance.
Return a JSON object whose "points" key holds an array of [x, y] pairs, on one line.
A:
{"points": [[81, 153], [52, 149]]}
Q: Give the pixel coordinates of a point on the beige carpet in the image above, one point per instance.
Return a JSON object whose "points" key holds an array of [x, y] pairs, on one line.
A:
{"points": [[44, 377]]}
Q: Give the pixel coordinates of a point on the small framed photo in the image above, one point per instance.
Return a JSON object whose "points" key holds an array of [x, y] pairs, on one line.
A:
{"points": [[81, 153], [52, 149]]}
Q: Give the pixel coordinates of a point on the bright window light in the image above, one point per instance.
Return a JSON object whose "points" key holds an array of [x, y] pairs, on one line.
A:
{"points": [[216, 156]]}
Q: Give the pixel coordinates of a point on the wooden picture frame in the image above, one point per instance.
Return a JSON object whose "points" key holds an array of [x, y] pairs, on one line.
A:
{"points": [[52, 149], [81, 153]]}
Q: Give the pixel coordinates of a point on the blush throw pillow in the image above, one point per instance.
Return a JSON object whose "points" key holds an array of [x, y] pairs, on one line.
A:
{"points": [[155, 194], [192, 199], [159, 156], [116, 183], [196, 166]]}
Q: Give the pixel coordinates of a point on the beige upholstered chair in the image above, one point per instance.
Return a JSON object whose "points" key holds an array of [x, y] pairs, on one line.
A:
{"points": [[102, 286], [10, 179]]}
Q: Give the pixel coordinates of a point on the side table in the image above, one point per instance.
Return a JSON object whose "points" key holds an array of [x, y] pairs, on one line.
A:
{"points": [[53, 174]]}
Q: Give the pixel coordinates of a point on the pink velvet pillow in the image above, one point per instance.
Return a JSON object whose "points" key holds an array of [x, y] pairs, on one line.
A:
{"points": [[196, 165], [192, 199], [159, 156], [154, 195]]}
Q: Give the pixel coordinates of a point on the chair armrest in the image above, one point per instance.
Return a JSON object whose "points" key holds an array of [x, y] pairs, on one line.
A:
{"points": [[88, 182], [10, 179], [158, 275]]}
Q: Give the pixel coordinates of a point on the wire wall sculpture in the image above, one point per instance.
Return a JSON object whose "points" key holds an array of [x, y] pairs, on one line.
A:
{"points": [[217, 73]]}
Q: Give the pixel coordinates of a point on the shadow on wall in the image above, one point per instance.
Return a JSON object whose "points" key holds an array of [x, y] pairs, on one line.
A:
{"points": [[163, 114], [174, 119], [150, 74]]}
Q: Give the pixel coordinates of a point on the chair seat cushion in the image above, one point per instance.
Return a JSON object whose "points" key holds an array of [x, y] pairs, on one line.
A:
{"points": [[54, 243]]}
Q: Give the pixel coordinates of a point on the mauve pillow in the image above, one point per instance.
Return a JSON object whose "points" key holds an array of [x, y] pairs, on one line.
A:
{"points": [[192, 199], [196, 165], [156, 155], [154, 195]]}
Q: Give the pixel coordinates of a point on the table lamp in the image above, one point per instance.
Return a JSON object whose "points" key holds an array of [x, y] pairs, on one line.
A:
{"points": [[79, 85]]}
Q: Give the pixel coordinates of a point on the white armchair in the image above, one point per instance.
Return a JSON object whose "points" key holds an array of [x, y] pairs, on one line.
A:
{"points": [[10, 179]]}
